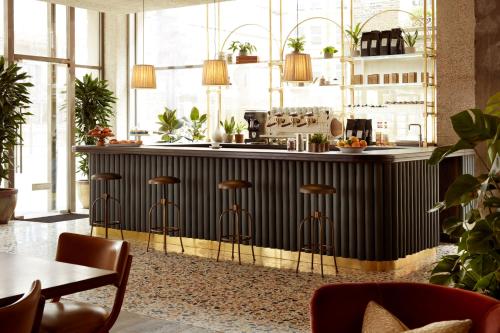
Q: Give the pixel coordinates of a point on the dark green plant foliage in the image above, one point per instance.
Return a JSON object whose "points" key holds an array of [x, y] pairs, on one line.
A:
{"points": [[410, 39], [14, 98], [93, 107], [169, 124], [318, 138], [476, 266], [197, 122]]}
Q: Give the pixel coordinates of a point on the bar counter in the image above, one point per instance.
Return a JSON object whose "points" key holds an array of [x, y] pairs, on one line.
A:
{"points": [[379, 210]]}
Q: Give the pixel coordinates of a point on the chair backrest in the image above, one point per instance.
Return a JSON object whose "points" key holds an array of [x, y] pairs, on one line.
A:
{"points": [[20, 316], [99, 253], [340, 308]]}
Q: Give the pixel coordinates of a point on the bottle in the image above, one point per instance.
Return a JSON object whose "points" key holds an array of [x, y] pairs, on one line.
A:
{"points": [[385, 134]]}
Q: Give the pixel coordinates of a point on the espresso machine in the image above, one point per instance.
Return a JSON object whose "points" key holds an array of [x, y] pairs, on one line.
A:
{"points": [[256, 125]]}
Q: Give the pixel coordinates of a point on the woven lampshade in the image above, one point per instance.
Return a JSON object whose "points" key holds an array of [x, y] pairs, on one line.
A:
{"points": [[298, 68], [143, 76], [215, 73]]}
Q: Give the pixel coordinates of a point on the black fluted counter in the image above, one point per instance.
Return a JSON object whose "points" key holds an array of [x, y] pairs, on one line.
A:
{"points": [[379, 211]]}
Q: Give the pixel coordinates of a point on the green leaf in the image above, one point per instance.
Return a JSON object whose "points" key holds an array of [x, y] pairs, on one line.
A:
{"points": [[462, 190], [195, 113], [453, 226], [483, 265], [493, 105], [480, 239], [486, 281]]}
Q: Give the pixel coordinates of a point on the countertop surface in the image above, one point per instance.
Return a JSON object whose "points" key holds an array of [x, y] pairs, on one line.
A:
{"points": [[372, 153]]}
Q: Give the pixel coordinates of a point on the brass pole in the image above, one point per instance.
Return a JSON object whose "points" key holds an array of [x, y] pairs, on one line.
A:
{"points": [[270, 55], [426, 83], [207, 22], [281, 56]]}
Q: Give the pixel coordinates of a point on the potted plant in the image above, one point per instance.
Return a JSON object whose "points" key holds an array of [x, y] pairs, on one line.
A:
{"points": [[410, 40], [229, 128], [297, 44], [476, 265], [235, 45], [169, 125], [197, 122], [355, 38], [93, 107], [329, 51], [14, 98], [326, 144], [246, 49], [316, 143], [239, 136]]}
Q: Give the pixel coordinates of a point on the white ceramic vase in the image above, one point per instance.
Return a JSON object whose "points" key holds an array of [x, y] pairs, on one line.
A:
{"points": [[217, 135]]}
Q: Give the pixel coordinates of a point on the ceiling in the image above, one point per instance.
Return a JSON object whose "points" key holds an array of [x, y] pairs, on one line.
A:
{"points": [[128, 6]]}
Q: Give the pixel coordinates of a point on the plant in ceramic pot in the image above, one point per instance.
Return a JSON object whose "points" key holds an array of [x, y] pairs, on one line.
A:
{"points": [[316, 143], [239, 137], [410, 41], [355, 34], [329, 51], [235, 45], [476, 265], [169, 125], [229, 129], [246, 49], [297, 44], [14, 98], [198, 125], [93, 107]]}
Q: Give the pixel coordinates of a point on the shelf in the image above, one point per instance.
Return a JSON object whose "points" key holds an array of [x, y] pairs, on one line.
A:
{"points": [[386, 86], [395, 57]]}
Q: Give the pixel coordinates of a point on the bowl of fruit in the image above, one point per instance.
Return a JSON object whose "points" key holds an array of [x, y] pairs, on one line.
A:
{"points": [[101, 134], [352, 145]]}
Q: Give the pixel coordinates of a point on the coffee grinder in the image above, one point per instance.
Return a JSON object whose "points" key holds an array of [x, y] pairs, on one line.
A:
{"points": [[256, 124]]}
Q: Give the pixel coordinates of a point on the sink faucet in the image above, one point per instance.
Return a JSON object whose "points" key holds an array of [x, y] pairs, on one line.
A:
{"points": [[419, 133]]}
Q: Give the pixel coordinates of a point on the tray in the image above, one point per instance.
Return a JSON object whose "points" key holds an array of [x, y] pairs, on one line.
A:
{"points": [[123, 145], [351, 150]]}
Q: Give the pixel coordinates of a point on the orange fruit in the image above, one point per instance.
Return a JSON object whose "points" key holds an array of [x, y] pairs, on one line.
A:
{"points": [[356, 145], [354, 139], [363, 143]]}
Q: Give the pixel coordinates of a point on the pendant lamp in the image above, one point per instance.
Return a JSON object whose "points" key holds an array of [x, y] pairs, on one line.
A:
{"points": [[215, 71], [143, 76], [298, 67]]}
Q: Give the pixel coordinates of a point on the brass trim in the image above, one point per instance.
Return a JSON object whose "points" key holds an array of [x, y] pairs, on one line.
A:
{"points": [[276, 257]]}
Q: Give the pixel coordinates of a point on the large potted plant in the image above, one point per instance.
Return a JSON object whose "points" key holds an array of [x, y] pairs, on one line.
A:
{"points": [[14, 98], [169, 125], [197, 125], [93, 107], [355, 34], [229, 129], [476, 265]]}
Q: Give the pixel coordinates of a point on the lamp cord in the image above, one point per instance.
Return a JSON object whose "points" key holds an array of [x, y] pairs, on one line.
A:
{"points": [[215, 31], [297, 19], [143, 29]]}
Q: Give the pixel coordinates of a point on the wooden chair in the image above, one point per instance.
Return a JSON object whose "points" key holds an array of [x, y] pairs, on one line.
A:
{"points": [[67, 316], [21, 316]]}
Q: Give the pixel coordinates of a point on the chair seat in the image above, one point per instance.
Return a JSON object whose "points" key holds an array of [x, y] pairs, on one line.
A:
{"points": [[234, 184], [317, 189], [106, 176], [74, 317], [164, 180]]}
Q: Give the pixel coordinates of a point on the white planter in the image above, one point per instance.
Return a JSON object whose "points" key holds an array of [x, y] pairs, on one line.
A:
{"points": [[83, 190], [217, 135], [409, 49], [355, 52]]}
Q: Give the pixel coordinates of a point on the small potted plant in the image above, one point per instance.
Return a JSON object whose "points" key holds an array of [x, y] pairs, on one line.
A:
{"points": [[410, 41], [297, 44], [14, 98], [245, 51], [197, 122], [169, 125], [329, 51], [239, 136], [355, 34], [229, 129], [326, 144], [235, 46], [316, 143]]}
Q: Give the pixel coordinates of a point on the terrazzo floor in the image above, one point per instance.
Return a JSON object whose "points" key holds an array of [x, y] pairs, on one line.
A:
{"points": [[199, 292]]}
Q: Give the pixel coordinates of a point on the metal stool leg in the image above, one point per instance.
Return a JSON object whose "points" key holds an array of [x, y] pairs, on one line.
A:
{"points": [[237, 222], [220, 231], [164, 224], [301, 241], [332, 234], [119, 214], [250, 230], [179, 224], [321, 245], [150, 223]]}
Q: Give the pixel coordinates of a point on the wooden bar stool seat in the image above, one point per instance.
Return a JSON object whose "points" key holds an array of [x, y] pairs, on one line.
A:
{"points": [[317, 219], [105, 197], [234, 234], [164, 229]]}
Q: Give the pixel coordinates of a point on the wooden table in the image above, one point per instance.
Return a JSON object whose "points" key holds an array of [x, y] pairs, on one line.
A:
{"points": [[17, 272]]}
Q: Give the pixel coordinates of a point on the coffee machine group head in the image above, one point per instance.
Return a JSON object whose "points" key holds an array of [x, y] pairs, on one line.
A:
{"points": [[256, 124]]}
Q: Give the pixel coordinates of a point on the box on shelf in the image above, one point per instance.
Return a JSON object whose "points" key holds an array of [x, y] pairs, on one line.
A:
{"points": [[374, 79], [357, 79], [395, 78], [405, 78], [387, 78], [366, 44], [412, 77], [375, 43], [385, 42], [246, 59]]}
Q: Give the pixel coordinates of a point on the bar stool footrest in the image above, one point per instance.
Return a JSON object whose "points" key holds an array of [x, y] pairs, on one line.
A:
{"points": [[160, 230], [102, 224], [308, 248]]}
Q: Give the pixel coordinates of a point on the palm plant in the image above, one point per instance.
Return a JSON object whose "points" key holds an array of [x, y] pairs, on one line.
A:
{"points": [[355, 34], [14, 98], [93, 107], [197, 121], [169, 124], [297, 44]]}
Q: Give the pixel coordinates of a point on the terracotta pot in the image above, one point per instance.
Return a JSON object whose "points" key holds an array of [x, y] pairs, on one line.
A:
{"points": [[239, 138], [328, 55], [313, 147], [8, 200], [83, 190], [228, 138]]}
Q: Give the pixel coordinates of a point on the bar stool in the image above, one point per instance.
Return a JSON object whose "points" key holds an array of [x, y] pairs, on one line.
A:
{"points": [[106, 222], [236, 211], [315, 220], [164, 181]]}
